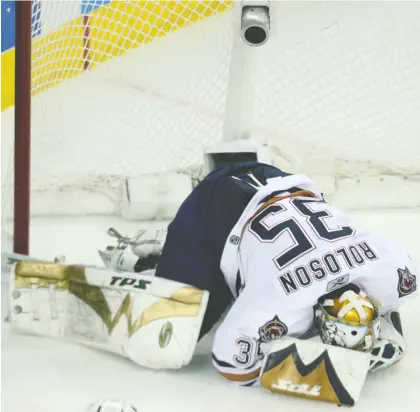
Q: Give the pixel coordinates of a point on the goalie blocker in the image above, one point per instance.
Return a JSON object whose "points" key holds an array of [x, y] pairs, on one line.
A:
{"points": [[152, 321], [313, 370]]}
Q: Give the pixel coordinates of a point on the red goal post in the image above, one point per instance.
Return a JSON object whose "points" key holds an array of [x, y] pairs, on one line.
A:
{"points": [[22, 124]]}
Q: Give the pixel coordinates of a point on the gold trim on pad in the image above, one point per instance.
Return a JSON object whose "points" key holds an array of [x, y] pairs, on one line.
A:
{"points": [[186, 301]]}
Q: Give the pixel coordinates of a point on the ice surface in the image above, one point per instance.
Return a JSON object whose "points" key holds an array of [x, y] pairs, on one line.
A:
{"points": [[41, 375]]}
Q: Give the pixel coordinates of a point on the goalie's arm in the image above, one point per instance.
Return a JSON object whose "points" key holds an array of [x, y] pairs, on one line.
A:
{"points": [[234, 359], [253, 319]]}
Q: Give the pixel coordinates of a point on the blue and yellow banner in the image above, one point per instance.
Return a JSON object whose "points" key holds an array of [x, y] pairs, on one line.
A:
{"points": [[7, 53], [7, 25]]}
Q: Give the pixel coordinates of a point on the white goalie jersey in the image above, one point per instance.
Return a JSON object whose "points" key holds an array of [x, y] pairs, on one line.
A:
{"points": [[283, 255]]}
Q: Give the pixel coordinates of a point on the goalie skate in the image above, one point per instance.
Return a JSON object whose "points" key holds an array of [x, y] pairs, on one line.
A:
{"points": [[125, 255]]}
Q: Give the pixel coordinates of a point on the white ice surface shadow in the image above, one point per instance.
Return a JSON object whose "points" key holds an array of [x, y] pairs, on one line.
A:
{"points": [[48, 376]]}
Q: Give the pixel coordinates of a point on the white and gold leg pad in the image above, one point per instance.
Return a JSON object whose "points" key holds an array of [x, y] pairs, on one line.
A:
{"points": [[154, 322], [312, 370]]}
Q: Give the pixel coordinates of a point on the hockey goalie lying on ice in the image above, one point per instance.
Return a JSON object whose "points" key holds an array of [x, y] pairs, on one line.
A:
{"points": [[309, 298]]}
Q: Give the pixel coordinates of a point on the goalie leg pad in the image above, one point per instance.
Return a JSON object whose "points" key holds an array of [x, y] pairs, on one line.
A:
{"points": [[154, 322], [312, 370]]}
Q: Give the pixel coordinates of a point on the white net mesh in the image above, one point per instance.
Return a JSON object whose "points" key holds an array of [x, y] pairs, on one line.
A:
{"points": [[345, 79], [126, 88]]}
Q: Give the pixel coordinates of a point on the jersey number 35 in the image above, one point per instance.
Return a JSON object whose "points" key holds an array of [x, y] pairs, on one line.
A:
{"points": [[320, 221]]}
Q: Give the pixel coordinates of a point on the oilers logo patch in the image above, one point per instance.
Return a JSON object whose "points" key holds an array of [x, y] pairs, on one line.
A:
{"points": [[406, 282], [273, 329]]}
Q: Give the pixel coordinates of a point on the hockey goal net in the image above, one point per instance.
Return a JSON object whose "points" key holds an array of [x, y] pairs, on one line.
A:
{"points": [[141, 87]]}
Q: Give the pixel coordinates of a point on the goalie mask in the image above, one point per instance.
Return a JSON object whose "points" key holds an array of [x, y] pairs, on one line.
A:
{"points": [[350, 320]]}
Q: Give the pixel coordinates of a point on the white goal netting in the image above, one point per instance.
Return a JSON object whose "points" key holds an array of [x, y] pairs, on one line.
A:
{"points": [[129, 88]]}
